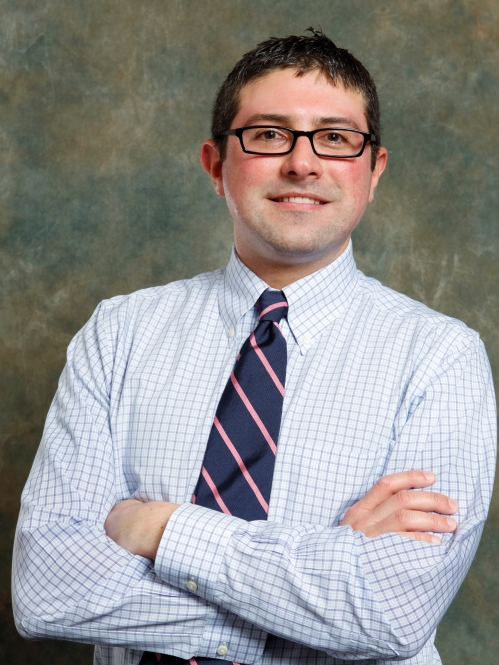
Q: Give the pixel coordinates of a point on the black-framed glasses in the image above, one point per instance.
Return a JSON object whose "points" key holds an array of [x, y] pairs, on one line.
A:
{"points": [[333, 142]]}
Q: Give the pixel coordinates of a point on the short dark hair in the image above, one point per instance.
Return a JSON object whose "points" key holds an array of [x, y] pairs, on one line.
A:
{"points": [[305, 53]]}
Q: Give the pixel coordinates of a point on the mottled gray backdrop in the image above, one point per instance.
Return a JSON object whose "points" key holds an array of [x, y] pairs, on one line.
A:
{"points": [[103, 107]]}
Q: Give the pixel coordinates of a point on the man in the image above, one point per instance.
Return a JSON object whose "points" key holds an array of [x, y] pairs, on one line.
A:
{"points": [[144, 524]]}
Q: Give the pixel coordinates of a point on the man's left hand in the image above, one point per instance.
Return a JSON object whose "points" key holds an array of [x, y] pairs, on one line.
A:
{"points": [[137, 526]]}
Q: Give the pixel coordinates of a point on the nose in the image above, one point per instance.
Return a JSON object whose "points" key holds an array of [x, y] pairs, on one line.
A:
{"points": [[302, 162]]}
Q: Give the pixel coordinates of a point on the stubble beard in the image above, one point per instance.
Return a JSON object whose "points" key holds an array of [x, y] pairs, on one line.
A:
{"points": [[295, 239]]}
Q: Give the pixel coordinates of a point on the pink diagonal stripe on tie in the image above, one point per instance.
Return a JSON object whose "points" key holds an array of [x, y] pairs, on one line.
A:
{"points": [[271, 307], [241, 465], [158, 656], [215, 491], [193, 661], [266, 364], [253, 413]]}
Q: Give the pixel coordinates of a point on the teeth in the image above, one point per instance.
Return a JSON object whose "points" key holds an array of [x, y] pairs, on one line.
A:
{"points": [[298, 199]]}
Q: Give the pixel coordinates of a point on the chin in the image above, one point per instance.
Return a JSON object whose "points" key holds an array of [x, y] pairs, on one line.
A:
{"points": [[300, 246]]}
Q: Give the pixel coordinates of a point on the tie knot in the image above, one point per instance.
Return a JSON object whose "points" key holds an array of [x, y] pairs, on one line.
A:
{"points": [[272, 306]]}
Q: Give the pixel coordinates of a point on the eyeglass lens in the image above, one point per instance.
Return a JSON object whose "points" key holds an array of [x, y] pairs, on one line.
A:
{"points": [[329, 142]]}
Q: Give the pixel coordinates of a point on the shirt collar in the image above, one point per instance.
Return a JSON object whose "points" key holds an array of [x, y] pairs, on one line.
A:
{"points": [[314, 301], [317, 299], [240, 290]]}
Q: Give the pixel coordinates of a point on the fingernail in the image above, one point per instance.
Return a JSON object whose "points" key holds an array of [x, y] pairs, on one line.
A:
{"points": [[429, 475], [435, 540], [453, 504], [450, 522]]}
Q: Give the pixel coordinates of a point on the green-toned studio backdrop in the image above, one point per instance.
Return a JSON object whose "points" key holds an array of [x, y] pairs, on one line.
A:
{"points": [[103, 107]]}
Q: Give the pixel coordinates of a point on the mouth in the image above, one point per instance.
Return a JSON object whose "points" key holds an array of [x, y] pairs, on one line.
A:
{"points": [[303, 200], [299, 199]]}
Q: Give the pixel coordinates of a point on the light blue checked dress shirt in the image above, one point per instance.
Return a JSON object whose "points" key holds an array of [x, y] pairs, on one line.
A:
{"points": [[376, 383]]}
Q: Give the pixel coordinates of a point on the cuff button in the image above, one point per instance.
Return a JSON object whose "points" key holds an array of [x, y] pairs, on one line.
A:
{"points": [[191, 585], [222, 650]]}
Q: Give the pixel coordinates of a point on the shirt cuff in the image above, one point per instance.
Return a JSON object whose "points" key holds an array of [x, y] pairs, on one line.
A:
{"points": [[192, 548], [190, 556]]}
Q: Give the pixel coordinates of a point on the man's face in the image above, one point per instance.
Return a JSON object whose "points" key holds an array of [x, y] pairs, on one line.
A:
{"points": [[337, 191]]}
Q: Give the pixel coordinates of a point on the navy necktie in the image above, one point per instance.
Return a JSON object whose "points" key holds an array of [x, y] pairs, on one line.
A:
{"points": [[238, 466]]}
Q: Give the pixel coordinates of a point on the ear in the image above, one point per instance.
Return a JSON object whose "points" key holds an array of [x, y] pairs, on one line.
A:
{"points": [[212, 164], [381, 160]]}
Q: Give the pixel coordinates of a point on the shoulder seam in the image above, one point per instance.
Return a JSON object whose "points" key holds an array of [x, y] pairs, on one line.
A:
{"points": [[410, 308], [152, 292]]}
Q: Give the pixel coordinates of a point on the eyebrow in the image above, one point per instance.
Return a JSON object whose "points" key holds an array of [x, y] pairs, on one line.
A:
{"points": [[285, 120]]}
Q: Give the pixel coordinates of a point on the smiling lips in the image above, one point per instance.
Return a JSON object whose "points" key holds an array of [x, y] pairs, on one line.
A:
{"points": [[299, 199]]}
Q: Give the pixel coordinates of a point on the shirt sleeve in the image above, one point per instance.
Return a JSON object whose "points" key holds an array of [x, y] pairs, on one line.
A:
{"points": [[332, 588], [70, 581]]}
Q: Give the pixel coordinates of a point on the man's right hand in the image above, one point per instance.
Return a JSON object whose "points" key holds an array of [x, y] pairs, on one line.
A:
{"points": [[394, 505]]}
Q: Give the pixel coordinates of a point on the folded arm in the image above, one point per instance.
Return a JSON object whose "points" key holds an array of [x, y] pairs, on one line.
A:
{"points": [[70, 581], [335, 588], [332, 588], [391, 506]]}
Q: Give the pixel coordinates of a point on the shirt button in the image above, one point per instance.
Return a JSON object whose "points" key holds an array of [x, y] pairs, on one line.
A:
{"points": [[191, 585], [222, 650], [232, 332], [306, 339]]}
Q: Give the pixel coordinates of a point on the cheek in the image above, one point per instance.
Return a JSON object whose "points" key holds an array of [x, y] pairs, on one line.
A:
{"points": [[244, 179], [357, 182]]}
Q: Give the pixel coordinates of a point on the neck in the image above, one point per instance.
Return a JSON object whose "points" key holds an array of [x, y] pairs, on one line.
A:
{"points": [[278, 272]]}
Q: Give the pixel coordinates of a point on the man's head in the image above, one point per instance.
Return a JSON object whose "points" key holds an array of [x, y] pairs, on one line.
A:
{"points": [[314, 52], [294, 209]]}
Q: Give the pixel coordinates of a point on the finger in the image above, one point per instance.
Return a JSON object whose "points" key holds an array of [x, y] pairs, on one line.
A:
{"points": [[407, 521], [389, 485], [423, 537], [427, 502]]}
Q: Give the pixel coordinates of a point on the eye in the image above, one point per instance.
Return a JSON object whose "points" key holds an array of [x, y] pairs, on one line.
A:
{"points": [[269, 135], [332, 137]]}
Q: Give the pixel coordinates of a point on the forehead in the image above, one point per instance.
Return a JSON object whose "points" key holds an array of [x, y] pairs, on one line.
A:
{"points": [[307, 100]]}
